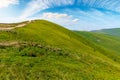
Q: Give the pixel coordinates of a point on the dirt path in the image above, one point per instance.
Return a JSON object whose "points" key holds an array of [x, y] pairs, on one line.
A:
{"points": [[10, 28], [8, 43]]}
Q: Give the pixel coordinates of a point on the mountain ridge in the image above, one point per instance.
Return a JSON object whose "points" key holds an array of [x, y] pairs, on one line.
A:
{"points": [[112, 31], [44, 50]]}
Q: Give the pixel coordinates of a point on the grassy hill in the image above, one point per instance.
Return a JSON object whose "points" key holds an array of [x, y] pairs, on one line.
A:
{"points": [[42, 50], [106, 44]]}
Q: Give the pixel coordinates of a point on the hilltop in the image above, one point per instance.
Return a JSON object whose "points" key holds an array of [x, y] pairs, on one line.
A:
{"points": [[42, 50]]}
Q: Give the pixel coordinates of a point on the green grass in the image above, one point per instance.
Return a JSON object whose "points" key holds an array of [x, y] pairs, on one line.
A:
{"points": [[47, 51], [106, 44]]}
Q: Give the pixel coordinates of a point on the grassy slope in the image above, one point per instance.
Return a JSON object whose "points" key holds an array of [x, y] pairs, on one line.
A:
{"points": [[51, 52], [110, 45]]}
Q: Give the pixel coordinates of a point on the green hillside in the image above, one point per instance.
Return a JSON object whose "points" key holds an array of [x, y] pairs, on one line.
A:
{"points": [[42, 50], [106, 44]]}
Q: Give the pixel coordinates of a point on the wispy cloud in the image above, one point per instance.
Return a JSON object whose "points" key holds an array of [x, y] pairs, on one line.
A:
{"points": [[6, 3], [94, 19], [60, 18], [38, 5], [50, 15], [81, 14]]}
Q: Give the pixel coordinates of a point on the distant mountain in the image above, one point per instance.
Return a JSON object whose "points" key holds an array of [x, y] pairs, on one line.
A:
{"points": [[114, 31], [42, 50]]}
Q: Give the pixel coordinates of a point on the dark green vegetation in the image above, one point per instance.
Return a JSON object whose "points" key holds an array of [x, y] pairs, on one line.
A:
{"points": [[42, 50]]}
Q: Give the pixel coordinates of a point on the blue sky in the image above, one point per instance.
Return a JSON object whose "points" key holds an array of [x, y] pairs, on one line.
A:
{"points": [[72, 14]]}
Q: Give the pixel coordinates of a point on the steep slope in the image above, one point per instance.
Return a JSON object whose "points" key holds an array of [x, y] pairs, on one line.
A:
{"points": [[42, 50]]}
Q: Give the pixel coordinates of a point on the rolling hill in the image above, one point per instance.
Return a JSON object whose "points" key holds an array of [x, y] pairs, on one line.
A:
{"points": [[106, 44], [42, 50]]}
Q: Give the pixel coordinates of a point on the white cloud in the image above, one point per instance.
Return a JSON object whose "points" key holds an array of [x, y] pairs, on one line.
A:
{"points": [[6, 3], [94, 19], [76, 20], [38, 5], [86, 20], [60, 18], [50, 15]]}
